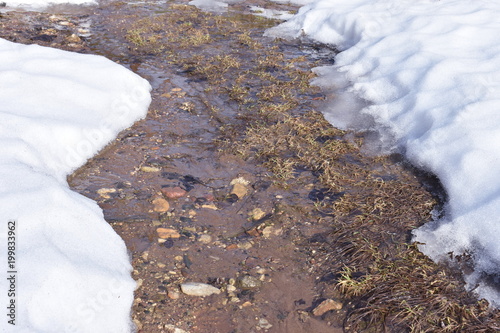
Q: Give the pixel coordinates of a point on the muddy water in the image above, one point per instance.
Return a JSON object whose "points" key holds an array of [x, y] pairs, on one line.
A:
{"points": [[221, 238]]}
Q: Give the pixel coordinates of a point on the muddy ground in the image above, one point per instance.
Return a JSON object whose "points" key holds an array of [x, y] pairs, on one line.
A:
{"points": [[223, 186]]}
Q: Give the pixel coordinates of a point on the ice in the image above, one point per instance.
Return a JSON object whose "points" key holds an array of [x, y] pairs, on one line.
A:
{"points": [[58, 109], [427, 74]]}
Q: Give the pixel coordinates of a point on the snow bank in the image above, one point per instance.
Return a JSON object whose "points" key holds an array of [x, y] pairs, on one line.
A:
{"points": [[38, 4], [429, 71], [71, 270]]}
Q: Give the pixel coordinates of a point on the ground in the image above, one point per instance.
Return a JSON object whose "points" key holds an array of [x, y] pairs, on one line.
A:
{"points": [[235, 180]]}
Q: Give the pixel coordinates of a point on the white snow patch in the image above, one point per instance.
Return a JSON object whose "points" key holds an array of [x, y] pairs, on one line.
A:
{"points": [[58, 109]]}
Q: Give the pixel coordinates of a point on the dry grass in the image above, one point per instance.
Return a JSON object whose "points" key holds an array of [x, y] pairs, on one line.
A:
{"points": [[390, 284]]}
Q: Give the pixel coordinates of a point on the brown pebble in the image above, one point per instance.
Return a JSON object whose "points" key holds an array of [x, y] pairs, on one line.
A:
{"points": [[161, 205], [173, 192], [232, 247], [240, 190], [166, 233], [173, 294], [253, 232], [325, 306]]}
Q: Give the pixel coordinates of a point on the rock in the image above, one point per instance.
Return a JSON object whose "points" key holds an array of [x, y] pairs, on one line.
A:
{"points": [[166, 233], [230, 288], [150, 169], [205, 239], [249, 282], [173, 192], [160, 205], [73, 39], [325, 306], [245, 245], [239, 180], [104, 192], [232, 247], [267, 231], [264, 324], [198, 289], [138, 283], [173, 294], [173, 329], [210, 206], [239, 190], [257, 214]]}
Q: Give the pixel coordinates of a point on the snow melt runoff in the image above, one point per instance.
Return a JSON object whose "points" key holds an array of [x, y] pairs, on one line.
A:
{"points": [[428, 73], [69, 271]]}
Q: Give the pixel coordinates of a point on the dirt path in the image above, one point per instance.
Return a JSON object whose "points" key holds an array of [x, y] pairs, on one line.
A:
{"points": [[234, 180]]}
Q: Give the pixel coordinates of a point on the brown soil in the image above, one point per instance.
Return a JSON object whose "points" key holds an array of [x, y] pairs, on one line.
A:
{"points": [[307, 232]]}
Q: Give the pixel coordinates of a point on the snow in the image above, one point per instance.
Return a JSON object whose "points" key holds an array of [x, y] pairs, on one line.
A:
{"points": [[40, 4], [213, 5], [58, 109], [427, 75]]}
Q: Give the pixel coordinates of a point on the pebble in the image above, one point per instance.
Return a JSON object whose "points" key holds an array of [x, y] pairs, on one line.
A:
{"points": [[239, 190], [173, 329], [138, 283], [264, 324], [249, 282], [198, 289], [173, 192], [160, 205], [210, 206], [150, 169], [73, 39], [325, 306], [104, 192], [166, 233], [205, 239], [257, 214], [245, 245], [173, 294]]}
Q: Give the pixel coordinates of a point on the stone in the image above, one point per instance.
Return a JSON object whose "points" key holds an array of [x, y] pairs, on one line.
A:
{"points": [[239, 190], [325, 306], [73, 39], [173, 192], [150, 169], [138, 283], [249, 282], [264, 324], [173, 329], [198, 289], [245, 245], [257, 214], [210, 206], [104, 192], [160, 205], [166, 233], [173, 294], [205, 239], [239, 180]]}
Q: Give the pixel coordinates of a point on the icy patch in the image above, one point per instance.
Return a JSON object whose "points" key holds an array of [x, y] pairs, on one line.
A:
{"points": [[428, 73], [271, 13], [213, 5], [58, 109]]}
